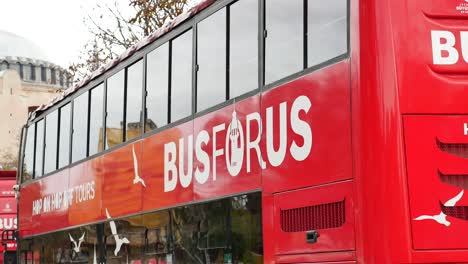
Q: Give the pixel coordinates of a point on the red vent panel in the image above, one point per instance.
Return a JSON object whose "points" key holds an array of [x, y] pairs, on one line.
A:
{"points": [[457, 149], [322, 216], [458, 180]]}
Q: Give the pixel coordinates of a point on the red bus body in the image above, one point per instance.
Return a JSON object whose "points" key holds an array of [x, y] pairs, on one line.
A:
{"points": [[8, 208], [372, 146]]}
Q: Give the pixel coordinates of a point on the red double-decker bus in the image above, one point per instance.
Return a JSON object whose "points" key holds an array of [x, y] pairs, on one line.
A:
{"points": [[8, 221], [261, 131]]}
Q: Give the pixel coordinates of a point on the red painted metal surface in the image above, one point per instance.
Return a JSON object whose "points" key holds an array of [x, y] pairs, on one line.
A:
{"points": [[379, 121], [8, 208]]}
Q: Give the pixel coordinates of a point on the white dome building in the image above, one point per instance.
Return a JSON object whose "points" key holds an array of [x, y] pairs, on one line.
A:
{"points": [[30, 61], [27, 80]]}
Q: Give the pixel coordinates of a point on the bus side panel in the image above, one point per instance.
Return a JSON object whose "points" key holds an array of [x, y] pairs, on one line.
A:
{"points": [[152, 168], [86, 179], [323, 98], [47, 197], [236, 170], [120, 195], [290, 218], [434, 69]]}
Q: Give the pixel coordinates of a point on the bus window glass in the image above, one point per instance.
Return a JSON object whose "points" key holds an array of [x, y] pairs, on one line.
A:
{"points": [[157, 87], [28, 161], [327, 26], [64, 137], [246, 231], [50, 162], [115, 109], [134, 97], [130, 229], [80, 127], [96, 109], [243, 44], [71, 246], [39, 149], [181, 89], [284, 42], [211, 56], [157, 237]]}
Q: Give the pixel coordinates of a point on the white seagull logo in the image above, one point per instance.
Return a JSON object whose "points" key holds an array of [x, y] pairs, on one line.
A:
{"points": [[118, 241], [76, 248], [442, 218], [137, 178]]}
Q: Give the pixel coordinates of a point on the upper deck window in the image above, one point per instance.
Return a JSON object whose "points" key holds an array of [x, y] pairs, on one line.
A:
{"points": [[115, 109], [211, 56], [157, 87], [28, 161], [50, 158], [64, 136], [327, 26], [303, 34], [134, 98], [96, 112], [181, 69], [284, 42], [80, 127], [39, 157], [243, 47]]}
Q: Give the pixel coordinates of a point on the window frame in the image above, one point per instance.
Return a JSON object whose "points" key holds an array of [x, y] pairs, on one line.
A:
{"points": [[189, 24]]}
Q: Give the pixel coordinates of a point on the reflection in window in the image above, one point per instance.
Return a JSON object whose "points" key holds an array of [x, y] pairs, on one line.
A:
{"points": [[28, 161], [157, 237], [327, 30], [115, 109], [243, 58], [157, 87], [129, 230], [223, 231], [80, 127], [284, 42], [39, 149], [64, 137], [211, 56], [72, 246], [96, 110], [181, 91], [50, 163], [134, 96]]}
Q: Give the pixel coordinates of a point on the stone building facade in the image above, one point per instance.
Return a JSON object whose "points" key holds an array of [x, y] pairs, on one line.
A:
{"points": [[27, 80]]}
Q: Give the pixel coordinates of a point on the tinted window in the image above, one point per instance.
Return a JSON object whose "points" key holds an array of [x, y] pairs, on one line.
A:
{"points": [[50, 163], [134, 97], [327, 26], [28, 161], [181, 92], [95, 121], [157, 86], [80, 127], [115, 109], [284, 42], [39, 149], [211, 78], [243, 68], [64, 137]]}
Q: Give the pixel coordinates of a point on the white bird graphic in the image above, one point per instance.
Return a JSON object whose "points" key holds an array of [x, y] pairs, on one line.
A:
{"points": [[118, 241], [76, 248], [137, 178], [442, 218]]}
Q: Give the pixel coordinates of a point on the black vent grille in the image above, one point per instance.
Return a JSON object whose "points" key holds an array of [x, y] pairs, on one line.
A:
{"points": [[322, 216]]}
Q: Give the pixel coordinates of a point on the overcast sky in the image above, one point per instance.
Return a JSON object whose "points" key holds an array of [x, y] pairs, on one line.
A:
{"points": [[55, 25]]}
